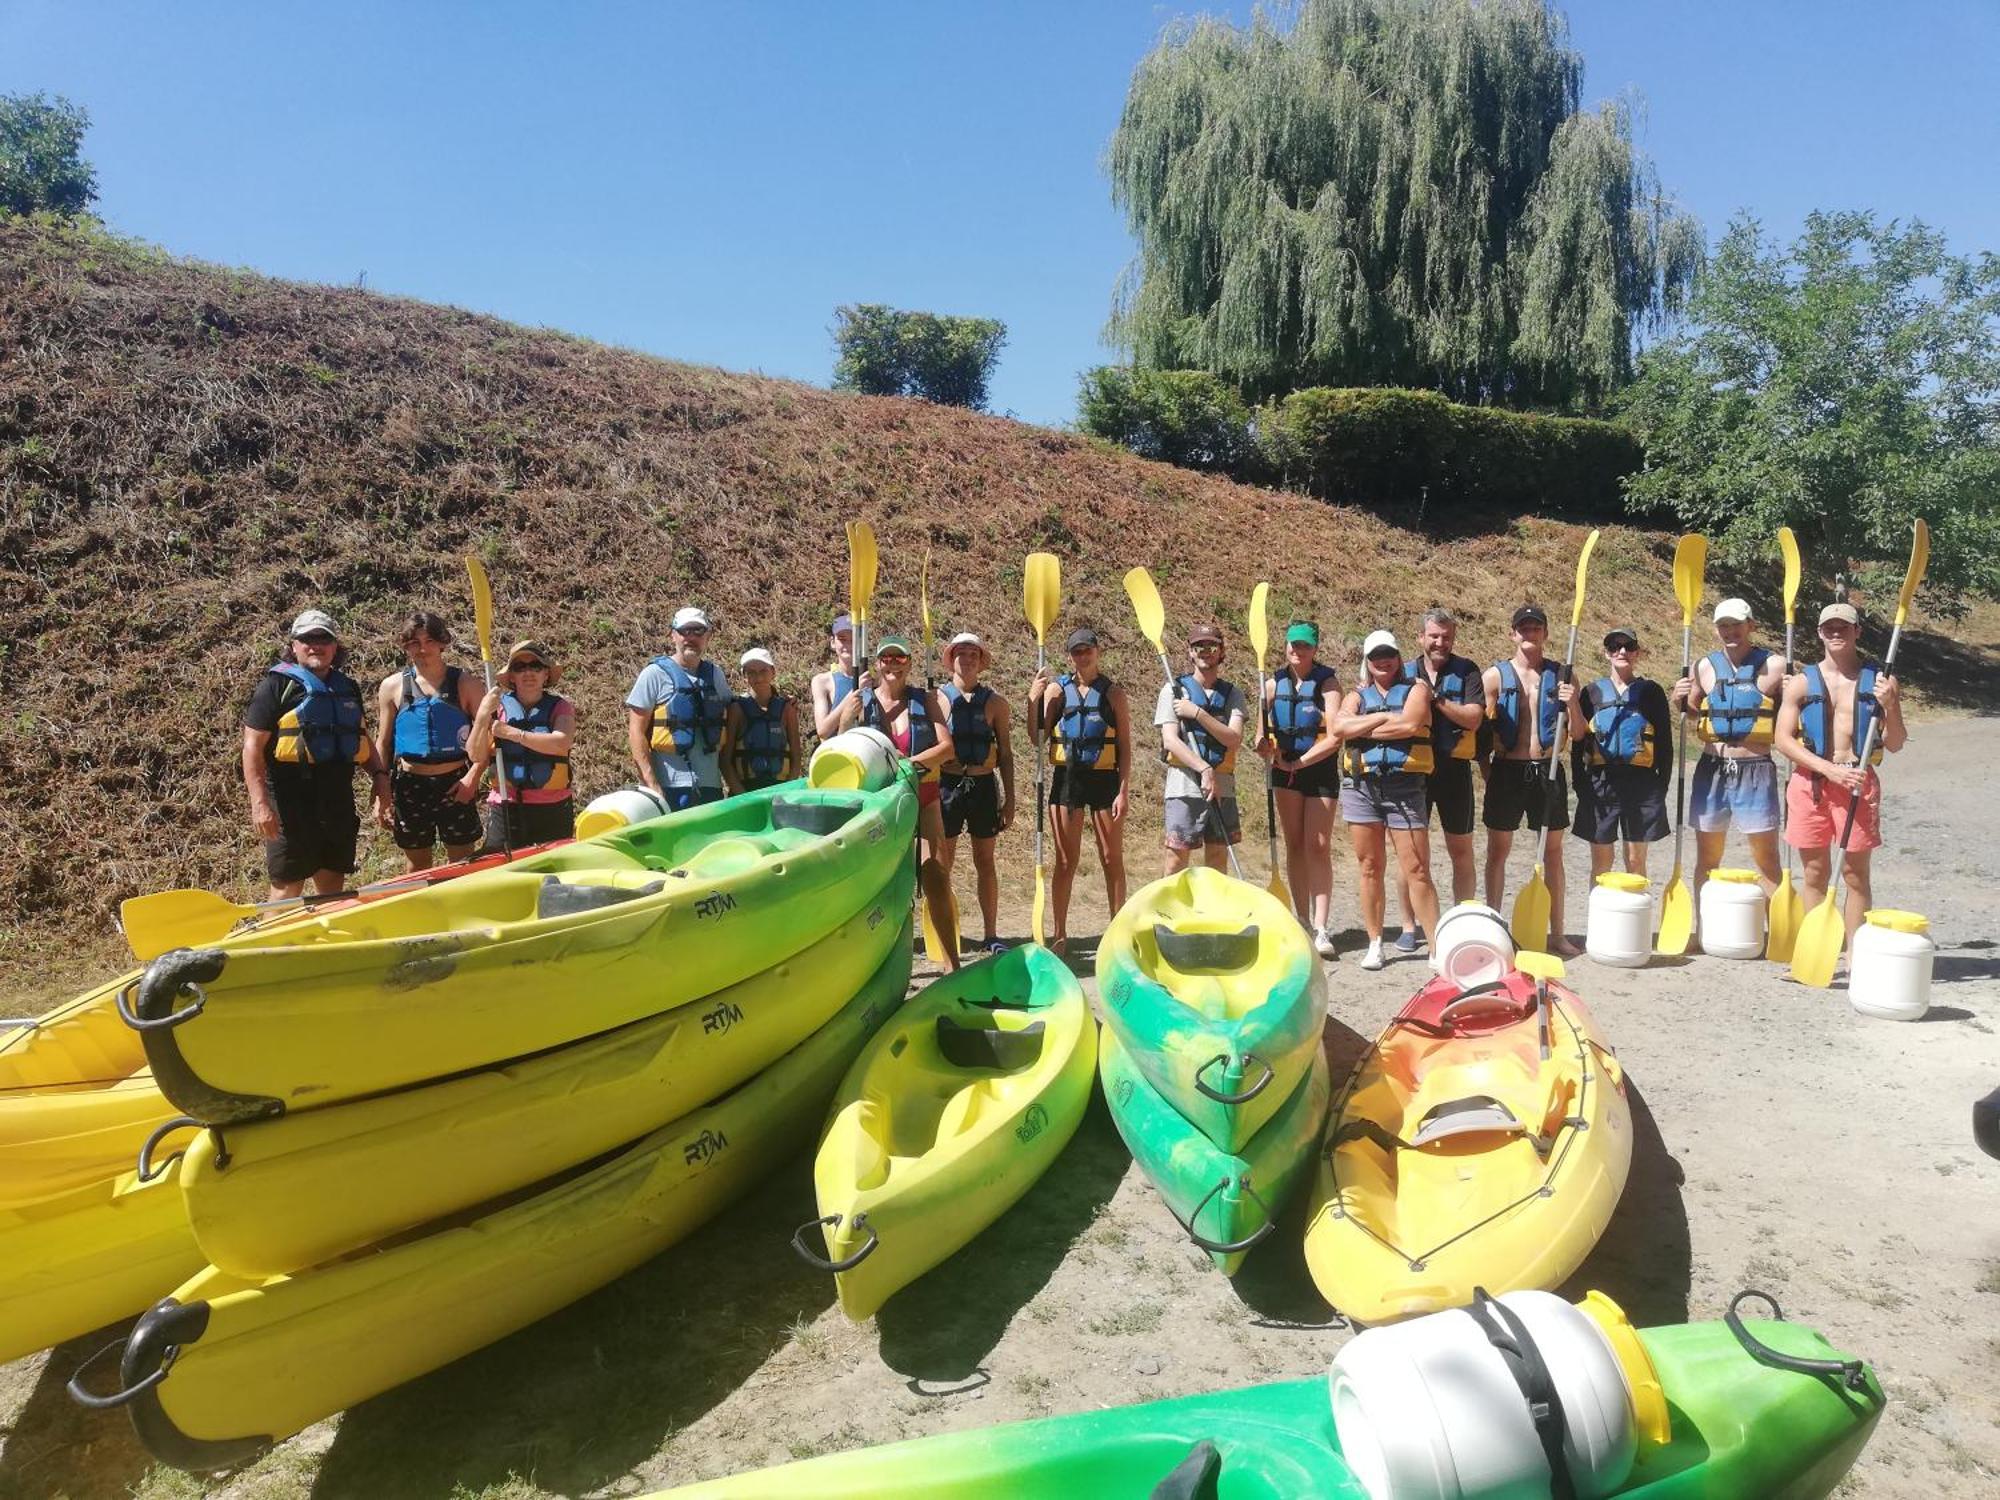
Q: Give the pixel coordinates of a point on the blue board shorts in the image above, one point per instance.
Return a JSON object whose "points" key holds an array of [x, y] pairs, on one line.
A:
{"points": [[1739, 791]]}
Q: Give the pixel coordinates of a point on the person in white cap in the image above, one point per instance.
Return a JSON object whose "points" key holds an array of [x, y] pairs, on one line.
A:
{"points": [[1822, 724], [976, 786], [763, 729], [677, 718], [302, 742], [1385, 756]]}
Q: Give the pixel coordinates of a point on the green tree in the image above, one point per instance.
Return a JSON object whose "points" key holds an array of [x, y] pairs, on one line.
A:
{"points": [[1185, 417], [42, 169], [886, 352], [1841, 386], [1390, 192]]}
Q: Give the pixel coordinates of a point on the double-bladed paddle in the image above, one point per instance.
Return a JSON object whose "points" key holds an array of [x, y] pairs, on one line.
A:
{"points": [[1260, 641], [936, 945], [1787, 910], [1041, 600]]}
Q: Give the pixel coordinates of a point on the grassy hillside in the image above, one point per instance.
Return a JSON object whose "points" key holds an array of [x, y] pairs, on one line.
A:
{"points": [[189, 454]]}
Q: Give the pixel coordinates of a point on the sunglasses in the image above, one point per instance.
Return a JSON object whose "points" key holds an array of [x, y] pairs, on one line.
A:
{"points": [[527, 666], [1206, 646], [1385, 656], [690, 630], [317, 638], [891, 656], [1622, 648]]}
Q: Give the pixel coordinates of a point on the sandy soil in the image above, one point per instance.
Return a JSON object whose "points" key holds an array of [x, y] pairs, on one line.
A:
{"points": [[1782, 1142]]}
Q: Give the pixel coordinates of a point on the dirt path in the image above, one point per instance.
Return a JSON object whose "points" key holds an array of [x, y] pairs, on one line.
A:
{"points": [[1782, 1142]]}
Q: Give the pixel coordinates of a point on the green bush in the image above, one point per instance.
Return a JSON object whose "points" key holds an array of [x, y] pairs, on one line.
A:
{"points": [[1185, 417]]}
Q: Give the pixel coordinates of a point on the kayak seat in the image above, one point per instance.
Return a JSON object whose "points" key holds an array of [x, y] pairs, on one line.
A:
{"points": [[558, 898], [1206, 952], [816, 817], [988, 1047], [730, 854], [970, 1107], [1475, 1115]]}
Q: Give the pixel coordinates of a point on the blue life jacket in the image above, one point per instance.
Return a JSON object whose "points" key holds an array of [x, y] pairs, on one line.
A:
{"points": [[1298, 713], [1455, 684], [1507, 706], [1816, 721], [693, 711], [923, 733], [1620, 732], [972, 737], [530, 770], [431, 731], [1735, 711], [324, 727], [1378, 757], [1215, 701], [764, 751], [1084, 734]]}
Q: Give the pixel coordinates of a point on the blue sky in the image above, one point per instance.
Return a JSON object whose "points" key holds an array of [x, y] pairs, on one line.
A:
{"points": [[709, 182]]}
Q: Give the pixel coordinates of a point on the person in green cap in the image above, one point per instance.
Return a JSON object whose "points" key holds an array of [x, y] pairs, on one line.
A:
{"points": [[1301, 704]]}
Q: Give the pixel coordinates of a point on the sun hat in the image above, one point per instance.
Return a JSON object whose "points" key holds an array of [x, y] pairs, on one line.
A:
{"points": [[314, 619], [1841, 611], [963, 639], [537, 650], [759, 655], [1735, 609], [1528, 612], [1078, 639], [1207, 630], [1379, 640], [688, 615], [1302, 632]]}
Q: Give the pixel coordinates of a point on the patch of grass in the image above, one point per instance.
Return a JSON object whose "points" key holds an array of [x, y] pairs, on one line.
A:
{"points": [[811, 1341], [848, 1436], [1141, 1318]]}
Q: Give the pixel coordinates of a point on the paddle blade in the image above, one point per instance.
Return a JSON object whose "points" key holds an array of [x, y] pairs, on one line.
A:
{"points": [[1041, 593], [924, 602], [1789, 546], [1920, 558], [1787, 911], [936, 948], [165, 920], [1145, 597], [1542, 966], [1530, 924], [1582, 572], [1276, 886], [860, 569], [1260, 635], [1817, 948], [1690, 564], [1676, 919], [482, 606], [1037, 922]]}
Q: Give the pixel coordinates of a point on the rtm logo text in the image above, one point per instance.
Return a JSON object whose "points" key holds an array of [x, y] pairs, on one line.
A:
{"points": [[715, 905]]}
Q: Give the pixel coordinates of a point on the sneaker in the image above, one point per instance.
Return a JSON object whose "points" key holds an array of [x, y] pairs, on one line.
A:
{"points": [[1322, 940], [1410, 939], [1373, 959], [993, 945]]}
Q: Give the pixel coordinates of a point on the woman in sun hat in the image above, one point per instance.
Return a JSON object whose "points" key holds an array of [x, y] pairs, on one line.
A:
{"points": [[531, 726]]}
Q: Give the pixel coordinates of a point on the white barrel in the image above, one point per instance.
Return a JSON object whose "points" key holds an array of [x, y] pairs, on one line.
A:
{"points": [[1732, 915], [1429, 1410], [856, 760], [1889, 969], [1618, 929], [1472, 945], [620, 809]]}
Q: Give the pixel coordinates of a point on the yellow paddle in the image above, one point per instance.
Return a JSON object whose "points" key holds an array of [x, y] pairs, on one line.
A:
{"points": [[482, 618], [935, 946], [1041, 599], [1787, 911], [860, 588], [165, 920], [1530, 924], [1824, 932], [1260, 641], [1677, 905]]}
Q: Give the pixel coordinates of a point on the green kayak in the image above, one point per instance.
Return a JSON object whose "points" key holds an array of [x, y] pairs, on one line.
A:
{"points": [[1227, 1201], [1741, 1430]]}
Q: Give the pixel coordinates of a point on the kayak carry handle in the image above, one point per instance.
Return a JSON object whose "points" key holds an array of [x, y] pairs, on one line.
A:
{"points": [[819, 1262], [1248, 1094], [182, 971], [1852, 1373], [1254, 1238], [83, 1396], [147, 1171], [1478, 1000]]}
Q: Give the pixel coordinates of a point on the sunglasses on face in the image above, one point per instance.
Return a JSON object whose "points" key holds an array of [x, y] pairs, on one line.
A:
{"points": [[892, 656], [1622, 648], [1386, 656], [692, 630], [1205, 647], [527, 666], [317, 638]]}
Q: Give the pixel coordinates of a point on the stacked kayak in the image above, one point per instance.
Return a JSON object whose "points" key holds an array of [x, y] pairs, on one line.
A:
{"points": [[947, 1117], [1483, 1140], [1214, 1005], [564, 945]]}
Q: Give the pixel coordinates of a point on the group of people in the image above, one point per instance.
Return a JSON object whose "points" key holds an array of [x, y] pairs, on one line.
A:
{"points": [[1388, 755]]}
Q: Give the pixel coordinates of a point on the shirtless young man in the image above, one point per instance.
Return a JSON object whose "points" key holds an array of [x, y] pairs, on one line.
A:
{"points": [[1528, 698]]}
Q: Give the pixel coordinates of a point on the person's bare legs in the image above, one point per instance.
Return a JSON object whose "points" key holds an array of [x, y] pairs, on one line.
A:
{"points": [[1291, 808], [1319, 813], [987, 869], [1708, 849], [1601, 858], [1368, 858], [1815, 865], [1214, 855], [420, 859], [1464, 868], [1111, 856], [1635, 857], [1066, 828], [1499, 844], [1413, 858], [1860, 889], [1552, 873], [1764, 855]]}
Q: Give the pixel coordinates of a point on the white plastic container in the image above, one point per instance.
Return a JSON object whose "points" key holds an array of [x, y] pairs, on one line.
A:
{"points": [[1471, 945], [1733, 915], [857, 760], [1889, 970], [1429, 1410], [620, 809], [1619, 927]]}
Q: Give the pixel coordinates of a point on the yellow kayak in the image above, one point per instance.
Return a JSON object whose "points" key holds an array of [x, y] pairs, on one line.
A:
{"points": [[225, 1367], [947, 1118], [273, 1196], [433, 982], [1460, 1156]]}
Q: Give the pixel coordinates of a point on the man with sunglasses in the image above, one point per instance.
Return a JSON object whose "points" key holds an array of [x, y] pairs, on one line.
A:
{"points": [[1822, 723], [1200, 718], [1624, 730], [302, 741], [1734, 690], [677, 718]]}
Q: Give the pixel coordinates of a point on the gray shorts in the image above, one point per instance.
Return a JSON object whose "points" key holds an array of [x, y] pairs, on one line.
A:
{"points": [[1191, 822], [1397, 798]]}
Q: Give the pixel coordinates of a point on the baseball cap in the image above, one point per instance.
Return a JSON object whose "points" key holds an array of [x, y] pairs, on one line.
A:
{"points": [[1528, 613], [314, 619], [1735, 609], [1207, 630], [890, 643], [1620, 633], [757, 654], [963, 639], [1078, 639], [841, 623], [1379, 640], [1841, 611], [1302, 631], [688, 615]]}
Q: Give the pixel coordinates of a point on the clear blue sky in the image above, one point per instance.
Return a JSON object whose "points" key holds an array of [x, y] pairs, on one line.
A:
{"points": [[709, 182]]}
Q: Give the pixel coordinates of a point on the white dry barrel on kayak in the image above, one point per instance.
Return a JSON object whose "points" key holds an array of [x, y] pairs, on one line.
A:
{"points": [[1619, 927], [1889, 970], [620, 809], [1432, 1410], [1732, 915], [855, 760], [1472, 945]]}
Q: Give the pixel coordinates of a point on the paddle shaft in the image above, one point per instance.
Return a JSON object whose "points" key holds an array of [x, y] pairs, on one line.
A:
{"points": [[1867, 749], [1041, 711], [1784, 803], [1681, 754]]}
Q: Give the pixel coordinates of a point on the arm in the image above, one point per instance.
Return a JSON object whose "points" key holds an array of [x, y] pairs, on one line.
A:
{"points": [[1698, 683], [1414, 722], [1579, 715], [1121, 715], [263, 812], [1785, 735], [1889, 699], [1001, 717], [1661, 716], [638, 737], [479, 745], [388, 698], [1229, 735], [826, 722], [1354, 724], [795, 743], [468, 784], [732, 716]]}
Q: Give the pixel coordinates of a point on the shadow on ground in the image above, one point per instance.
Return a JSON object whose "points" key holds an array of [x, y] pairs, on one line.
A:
{"points": [[56, 1447], [1645, 1260]]}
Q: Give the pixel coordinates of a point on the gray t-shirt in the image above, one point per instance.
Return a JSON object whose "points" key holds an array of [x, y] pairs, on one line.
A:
{"points": [[1182, 782], [700, 767]]}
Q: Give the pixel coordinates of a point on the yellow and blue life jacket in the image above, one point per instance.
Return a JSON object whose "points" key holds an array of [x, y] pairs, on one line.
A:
{"points": [[1735, 711], [1621, 732], [324, 727], [431, 731], [1083, 734], [1506, 709], [1379, 757], [1298, 710], [1216, 701], [528, 769], [974, 744], [1816, 720], [764, 750], [693, 711], [1455, 684]]}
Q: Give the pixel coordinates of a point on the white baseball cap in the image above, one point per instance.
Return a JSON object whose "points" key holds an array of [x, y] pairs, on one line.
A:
{"points": [[757, 654], [1735, 609], [688, 615], [1376, 641], [314, 619]]}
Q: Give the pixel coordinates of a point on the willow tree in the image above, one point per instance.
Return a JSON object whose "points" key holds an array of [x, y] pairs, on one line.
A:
{"points": [[1390, 192]]}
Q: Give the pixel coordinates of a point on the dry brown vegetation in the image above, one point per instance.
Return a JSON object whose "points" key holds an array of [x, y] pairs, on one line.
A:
{"points": [[189, 454]]}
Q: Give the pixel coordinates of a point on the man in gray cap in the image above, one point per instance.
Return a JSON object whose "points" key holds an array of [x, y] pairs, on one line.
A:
{"points": [[677, 718], [1734, 691]]}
